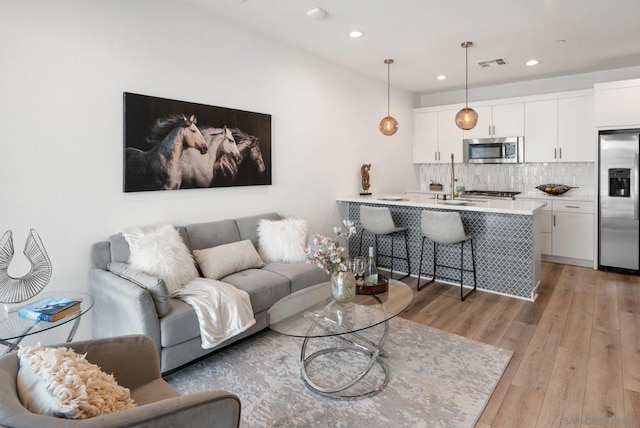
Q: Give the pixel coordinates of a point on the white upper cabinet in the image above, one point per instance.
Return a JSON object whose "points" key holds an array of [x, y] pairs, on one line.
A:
{"points": [[617, 104], [436, 136], [500, 120], [577, 137], [541, 131], [425, 137], [449, 136], [560, 130], [557, 127]]}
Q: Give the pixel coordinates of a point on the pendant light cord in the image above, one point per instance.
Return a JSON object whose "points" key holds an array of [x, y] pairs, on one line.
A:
{"points": [[388, 88], [466, 76]]}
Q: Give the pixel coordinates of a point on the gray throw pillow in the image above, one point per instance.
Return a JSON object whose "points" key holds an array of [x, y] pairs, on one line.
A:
{"points": [[218, 262], [155, 286]]}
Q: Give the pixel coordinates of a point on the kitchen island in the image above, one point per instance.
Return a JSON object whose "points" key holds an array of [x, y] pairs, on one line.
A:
{"points": [[506, 240]]}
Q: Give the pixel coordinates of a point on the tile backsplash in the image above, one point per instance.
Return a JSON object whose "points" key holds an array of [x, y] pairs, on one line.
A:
{"points": [[518, 177]]}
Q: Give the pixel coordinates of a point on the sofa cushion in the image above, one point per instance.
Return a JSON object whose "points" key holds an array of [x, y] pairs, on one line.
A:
{"points": [[212, 234], [226, 259], [248, 226], [300, 274], [161, 252], [282, 240], [155, 286], [119, 248], [264, 287]]}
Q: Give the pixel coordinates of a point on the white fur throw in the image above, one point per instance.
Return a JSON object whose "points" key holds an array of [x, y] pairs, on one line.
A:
{"points": [[59, 382], [282, 240], [160, 251]]}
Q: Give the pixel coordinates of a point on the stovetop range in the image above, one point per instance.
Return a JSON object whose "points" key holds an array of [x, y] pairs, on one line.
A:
{"points": [[489, 194]]}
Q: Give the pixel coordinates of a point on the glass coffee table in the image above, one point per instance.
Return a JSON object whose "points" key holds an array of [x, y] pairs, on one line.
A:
{"points": [[312, 313], [14, 328]]}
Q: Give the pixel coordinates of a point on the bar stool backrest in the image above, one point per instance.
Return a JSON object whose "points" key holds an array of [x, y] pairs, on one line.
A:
{"points": [[377, 220], [443, 227]]}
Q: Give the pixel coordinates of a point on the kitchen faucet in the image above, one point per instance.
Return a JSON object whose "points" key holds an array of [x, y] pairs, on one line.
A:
{"points": [[453, 179]]}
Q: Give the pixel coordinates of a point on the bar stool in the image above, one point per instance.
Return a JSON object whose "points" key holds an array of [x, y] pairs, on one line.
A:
{"points": [[378, 222], [445, 228]]}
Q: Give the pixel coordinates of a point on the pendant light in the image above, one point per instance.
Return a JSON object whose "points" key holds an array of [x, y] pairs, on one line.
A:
{"points": [[467, 117], [388, 125]]}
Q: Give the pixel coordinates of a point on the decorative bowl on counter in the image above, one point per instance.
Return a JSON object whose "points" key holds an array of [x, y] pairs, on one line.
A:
{"points": [[554, 189]]}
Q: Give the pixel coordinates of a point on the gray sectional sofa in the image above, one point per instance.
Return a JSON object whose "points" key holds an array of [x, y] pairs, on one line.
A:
{"points": [[129, 304]]}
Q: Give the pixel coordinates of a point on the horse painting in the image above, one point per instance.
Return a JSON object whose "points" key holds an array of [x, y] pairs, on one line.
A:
{"points": [[248, 145], [222, 158], [159, 167]]}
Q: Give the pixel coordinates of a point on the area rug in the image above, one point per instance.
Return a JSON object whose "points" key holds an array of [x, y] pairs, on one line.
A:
{"points": [[437, 379]]}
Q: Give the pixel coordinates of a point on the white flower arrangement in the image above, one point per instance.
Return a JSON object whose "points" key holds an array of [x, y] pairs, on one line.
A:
{"points": [[330, 254]]}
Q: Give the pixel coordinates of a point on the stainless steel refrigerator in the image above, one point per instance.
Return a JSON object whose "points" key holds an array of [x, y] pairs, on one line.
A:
{"points": [[618, 213]]}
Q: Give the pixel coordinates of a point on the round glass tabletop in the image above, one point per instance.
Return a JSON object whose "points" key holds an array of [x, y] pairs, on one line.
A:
{"points": [[14, 326], [294, 314]]}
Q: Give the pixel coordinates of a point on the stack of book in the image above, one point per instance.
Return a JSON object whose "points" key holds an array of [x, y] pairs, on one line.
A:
{"points": [[49, 309]]}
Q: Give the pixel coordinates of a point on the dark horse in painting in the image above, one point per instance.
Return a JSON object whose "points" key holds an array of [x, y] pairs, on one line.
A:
{"points": [[159, 167]]}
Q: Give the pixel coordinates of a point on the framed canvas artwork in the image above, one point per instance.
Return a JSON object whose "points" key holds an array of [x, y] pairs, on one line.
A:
{"points": [[171, 145]]}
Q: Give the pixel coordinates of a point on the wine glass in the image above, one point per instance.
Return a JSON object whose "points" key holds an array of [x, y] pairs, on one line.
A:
{"points": [[351, 265], [360, 264]]}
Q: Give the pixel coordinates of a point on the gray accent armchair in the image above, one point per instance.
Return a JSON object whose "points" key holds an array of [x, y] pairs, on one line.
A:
{"points": [[133, 361]]}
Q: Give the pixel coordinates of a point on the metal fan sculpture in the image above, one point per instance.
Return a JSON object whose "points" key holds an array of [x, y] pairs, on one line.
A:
{"points": [[16, 290]]}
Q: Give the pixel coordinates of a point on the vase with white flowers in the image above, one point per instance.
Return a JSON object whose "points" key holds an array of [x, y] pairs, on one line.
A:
{"points": [[329, 254]]}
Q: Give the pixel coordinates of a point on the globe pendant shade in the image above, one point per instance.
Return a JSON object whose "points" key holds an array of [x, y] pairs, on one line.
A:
{"points": [[466, 118], [389, 126]]}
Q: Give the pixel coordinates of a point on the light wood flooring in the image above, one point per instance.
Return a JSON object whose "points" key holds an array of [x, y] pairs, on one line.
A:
{"points": [[576, 348]]}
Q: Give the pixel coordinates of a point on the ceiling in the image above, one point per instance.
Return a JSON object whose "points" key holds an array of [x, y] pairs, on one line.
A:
{"points": [[424, 36]]}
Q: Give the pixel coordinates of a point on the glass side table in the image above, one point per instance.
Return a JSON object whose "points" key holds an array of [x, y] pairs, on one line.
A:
{"points": [[14, 328]]}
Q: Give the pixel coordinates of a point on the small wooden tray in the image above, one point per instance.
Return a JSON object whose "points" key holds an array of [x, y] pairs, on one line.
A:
{"points": [[381, 287]]}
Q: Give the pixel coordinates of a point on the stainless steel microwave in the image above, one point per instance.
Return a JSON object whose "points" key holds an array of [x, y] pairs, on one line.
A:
{"points": [[493, 150]]}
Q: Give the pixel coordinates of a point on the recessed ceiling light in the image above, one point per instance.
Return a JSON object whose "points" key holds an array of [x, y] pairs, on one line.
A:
{"points": [[356, 34], [441, 77], [533, 62], [316, 12]]}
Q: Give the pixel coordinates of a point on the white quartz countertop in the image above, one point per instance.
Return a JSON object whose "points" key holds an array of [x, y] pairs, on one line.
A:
{"points": [[428, 201], [571, 195]]}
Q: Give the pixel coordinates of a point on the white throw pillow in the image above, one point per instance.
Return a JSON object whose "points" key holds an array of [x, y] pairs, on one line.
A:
{"points": [[222, 260], [58, 382], [282, 240], [160, 251]]}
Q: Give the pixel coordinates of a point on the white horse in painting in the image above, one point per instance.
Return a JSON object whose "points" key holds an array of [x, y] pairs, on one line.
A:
{"points": [[222, 158], [159, 168]]}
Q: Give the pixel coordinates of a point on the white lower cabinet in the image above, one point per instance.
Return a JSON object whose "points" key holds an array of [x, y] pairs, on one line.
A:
{"points": [[567, 231], [572, 230]]}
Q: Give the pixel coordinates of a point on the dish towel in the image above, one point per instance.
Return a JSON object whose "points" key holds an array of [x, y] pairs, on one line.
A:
{"points": [[223, 310]]}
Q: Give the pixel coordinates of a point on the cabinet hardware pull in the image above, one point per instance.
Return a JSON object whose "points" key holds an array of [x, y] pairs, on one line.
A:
{"points": [[554, 153], [571, 206], [554, 220], [489, 129], [560, 151]]}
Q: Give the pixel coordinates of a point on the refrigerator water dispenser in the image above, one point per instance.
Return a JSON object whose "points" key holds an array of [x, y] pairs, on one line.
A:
{"points": [[620, 182]]}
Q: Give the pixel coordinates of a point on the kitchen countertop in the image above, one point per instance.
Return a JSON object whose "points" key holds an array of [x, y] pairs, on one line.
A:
{"points": [[569, 196], [520, 207]]}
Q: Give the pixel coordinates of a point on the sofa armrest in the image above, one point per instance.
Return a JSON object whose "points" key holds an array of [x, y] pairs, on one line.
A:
{"points": [[122, 308]]}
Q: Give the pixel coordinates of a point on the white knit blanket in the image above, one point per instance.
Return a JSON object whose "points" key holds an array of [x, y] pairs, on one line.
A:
{"points": [[223, 310]]}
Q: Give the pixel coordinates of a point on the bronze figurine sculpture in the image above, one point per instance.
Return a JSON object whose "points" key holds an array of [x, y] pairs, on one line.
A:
{"points": [[364, 172]]}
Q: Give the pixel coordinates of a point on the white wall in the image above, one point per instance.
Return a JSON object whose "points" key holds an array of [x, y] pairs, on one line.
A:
{"points": [[65, 65]]}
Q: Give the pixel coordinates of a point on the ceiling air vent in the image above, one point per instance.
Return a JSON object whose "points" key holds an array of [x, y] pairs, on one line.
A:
{"points": [[492, 62]]}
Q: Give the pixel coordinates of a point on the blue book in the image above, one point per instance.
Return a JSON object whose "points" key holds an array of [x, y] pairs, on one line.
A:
{"points": [[49, 309]]}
